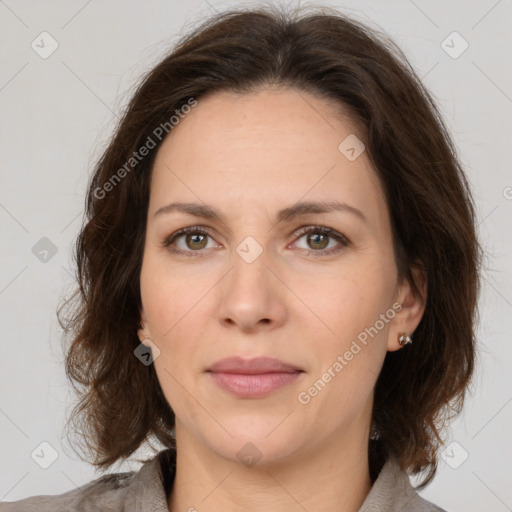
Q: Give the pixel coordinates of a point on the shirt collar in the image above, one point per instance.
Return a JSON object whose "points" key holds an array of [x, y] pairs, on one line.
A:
{"points": [[391, 491]]}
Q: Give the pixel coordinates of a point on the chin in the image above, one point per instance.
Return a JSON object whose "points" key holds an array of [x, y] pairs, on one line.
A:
{"points": [[250, 453], [256, 440]]}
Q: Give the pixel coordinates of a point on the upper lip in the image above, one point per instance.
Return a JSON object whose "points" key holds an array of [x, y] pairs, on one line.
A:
{"points": [[253, 366]]}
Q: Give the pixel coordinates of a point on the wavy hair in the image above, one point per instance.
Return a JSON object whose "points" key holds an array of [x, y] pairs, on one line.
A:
{"points": [[121, 404]]}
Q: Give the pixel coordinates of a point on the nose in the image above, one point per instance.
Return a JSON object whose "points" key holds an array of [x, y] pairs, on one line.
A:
{"points": [[251, 297]]}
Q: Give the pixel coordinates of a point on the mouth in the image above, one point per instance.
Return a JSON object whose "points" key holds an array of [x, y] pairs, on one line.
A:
{"points": [[253, 378]]}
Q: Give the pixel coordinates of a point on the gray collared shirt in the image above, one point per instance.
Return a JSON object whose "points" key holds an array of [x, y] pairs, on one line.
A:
{"points": [[144, 491]]}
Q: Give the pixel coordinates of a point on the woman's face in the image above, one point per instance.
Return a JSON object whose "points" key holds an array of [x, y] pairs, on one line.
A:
{"points": [[253, 282]]}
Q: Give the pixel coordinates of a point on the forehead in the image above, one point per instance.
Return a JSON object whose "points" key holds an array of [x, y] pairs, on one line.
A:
{"points": [[272, 146]]}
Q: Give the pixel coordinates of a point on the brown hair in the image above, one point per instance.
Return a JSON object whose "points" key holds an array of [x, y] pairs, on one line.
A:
{"points": [[432, 214]]}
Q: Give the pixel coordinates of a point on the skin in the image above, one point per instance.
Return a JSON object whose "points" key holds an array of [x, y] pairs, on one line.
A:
{"points": [[248, 156]]}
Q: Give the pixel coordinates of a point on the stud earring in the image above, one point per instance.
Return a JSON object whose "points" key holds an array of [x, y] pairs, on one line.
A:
{"points": [[404, 339]]}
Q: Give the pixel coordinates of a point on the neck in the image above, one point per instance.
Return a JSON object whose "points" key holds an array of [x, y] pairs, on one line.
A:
{"points": [[333, 476]]}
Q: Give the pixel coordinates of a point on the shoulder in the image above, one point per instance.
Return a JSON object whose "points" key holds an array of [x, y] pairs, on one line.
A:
{"points": [[392, 492], [107, 490], [426, 506], [419, 504], [115, 492]]}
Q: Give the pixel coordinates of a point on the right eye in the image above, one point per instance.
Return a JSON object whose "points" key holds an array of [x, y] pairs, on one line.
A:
{"points": [[194, 238]]}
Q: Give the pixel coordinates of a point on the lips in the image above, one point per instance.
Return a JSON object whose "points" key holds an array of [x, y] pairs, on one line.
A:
{"points": [[254, 366], [253, 378]]}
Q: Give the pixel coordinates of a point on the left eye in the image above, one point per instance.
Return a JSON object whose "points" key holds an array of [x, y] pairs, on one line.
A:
{"points": [[317, 237]]}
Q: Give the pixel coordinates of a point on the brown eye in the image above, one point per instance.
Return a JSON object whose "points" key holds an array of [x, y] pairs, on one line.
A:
{"points": [[196, 241], [191, 241], [318, 238], [188, 241]]}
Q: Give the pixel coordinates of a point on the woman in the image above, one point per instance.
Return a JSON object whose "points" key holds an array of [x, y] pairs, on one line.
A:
{"points": [[277, 278]]}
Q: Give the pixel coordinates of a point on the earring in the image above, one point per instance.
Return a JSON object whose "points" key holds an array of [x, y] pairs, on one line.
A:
{"points": [[404, 339]]}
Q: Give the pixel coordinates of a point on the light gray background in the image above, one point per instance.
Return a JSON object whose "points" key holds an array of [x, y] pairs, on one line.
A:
{"points": [[56, 116]]}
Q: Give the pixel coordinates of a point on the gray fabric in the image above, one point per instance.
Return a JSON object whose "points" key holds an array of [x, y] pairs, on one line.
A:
{"points": [[143, 491]]}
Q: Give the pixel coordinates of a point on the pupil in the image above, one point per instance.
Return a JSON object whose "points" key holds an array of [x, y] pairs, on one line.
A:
{"points": [[194, 237], [315, 241]]}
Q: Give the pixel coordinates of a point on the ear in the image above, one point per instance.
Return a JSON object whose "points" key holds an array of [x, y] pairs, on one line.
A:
{"points": [[413, 307], [143, 332]]}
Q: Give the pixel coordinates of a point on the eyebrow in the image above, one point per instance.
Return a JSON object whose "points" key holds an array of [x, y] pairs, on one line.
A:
{"points": [[286, 214]]}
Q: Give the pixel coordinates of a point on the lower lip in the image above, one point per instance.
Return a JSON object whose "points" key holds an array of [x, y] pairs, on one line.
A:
{"points": [[253, 386]]}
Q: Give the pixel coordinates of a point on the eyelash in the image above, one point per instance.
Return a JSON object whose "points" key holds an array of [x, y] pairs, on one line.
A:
{"points": [[199, 230]]}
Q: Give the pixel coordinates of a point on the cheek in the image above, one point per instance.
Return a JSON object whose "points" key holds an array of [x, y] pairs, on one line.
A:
{"points": [[355, 298], [169, 296], [349, 361], [166, 300], [357, 309], [169, 307]]}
